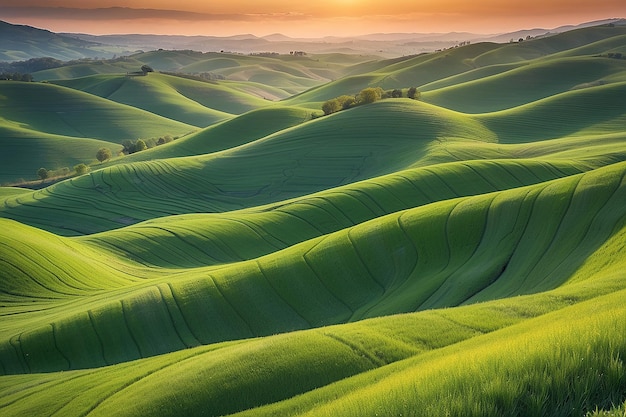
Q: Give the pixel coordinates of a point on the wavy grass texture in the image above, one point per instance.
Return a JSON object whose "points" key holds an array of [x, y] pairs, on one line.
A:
{"points": [[525, 84], [64, 111], [53, 151], [435, 256], [288, 164], [156, 93], [399, 258]]}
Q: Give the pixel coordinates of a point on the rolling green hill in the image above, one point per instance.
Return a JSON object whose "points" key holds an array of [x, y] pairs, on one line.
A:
{"points": [[52, 151], [64, 111], [461, 254], [155, 93]]}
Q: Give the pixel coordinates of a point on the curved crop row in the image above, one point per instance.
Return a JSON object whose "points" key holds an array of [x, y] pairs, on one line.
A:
{"points": [[292, 163], [435, 256], [265, 376]]}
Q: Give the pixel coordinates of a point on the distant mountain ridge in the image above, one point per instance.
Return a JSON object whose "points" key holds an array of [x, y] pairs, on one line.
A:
{"points": [[20, 42]]}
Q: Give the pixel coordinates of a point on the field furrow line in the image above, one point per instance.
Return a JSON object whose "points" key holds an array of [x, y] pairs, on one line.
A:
{"points": [[180, 312], [376, 363], [322, 282], [128, 329], [556, 233], [588, 234], [279, 295], [56, 346], [363, 263], [447, 281], [168, 301], [98, 336], [232, 306]]}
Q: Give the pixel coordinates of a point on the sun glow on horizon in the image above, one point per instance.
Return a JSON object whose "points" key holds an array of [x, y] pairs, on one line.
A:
{"points": [[317, 19]]}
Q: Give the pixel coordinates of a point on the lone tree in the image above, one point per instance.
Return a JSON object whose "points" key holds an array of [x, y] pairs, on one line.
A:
{"points": [[396, 93], [146, 69], [103, 154], [43, 173]]}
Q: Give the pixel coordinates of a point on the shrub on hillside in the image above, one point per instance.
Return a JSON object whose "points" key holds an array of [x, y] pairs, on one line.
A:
{"points": [[140, 145], [370, 95], [43, 173], [130, 146], [346, 101], [103, 154], [366, 96], [331, 106], [81, 169], [413, 93]]}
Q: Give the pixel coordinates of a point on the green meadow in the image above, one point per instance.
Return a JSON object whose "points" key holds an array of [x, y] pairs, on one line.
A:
{"points": [[457, 254]]}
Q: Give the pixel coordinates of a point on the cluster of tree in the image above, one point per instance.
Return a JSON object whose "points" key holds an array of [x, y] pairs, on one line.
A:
{"points": [[366, 96], [44, 173], [615, 55], [139, 145], [521, 39], [268, 54], [31, 65], [103, 154], [16, 76]]}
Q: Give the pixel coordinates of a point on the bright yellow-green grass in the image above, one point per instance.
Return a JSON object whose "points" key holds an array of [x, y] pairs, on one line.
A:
{"points": [[399, 259], [444, 254], [504, 343]]}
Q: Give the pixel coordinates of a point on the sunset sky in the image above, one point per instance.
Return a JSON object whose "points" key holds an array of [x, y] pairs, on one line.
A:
{"points": [[315, 18]]}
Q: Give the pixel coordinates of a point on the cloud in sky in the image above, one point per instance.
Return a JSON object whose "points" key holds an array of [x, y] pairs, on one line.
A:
{"points": [[319, 18]]}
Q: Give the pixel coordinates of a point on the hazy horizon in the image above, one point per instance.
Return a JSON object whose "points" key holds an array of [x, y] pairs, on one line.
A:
{"points": [[316, 19]]}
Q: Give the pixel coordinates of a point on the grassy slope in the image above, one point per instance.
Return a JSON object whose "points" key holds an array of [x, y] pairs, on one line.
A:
{"points": [[63, 111], [482, 60], [155, 93], [85, 69], [421, 258], [53, 151], [526, 84], [311, 157], [513, 221], [595, 210], [234, 132]]}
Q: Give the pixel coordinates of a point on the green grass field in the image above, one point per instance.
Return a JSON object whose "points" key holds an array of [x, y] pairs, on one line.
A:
{"points": [[457, 255]]}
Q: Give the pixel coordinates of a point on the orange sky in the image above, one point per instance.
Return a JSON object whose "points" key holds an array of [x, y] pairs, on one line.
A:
{"points": [[316, 18]]}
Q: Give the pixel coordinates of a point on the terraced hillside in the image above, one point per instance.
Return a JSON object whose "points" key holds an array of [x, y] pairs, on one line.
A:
{"points": [[462, 254]]}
